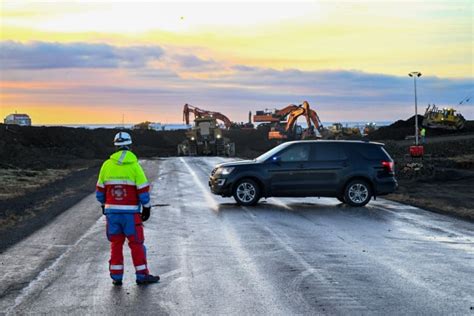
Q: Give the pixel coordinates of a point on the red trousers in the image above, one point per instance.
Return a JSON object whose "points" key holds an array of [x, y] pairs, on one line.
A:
{"points": [[119, 228]]}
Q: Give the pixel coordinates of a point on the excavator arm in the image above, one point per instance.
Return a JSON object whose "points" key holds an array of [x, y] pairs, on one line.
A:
{"points": [[283, 113], [294, 115], [223, 118], [188, 109], [312, 120], [278, 116], [315, 119]]}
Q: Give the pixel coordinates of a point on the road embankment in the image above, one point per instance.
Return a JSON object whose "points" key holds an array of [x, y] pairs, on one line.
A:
{"points": [[443, 181], [29, 210]]}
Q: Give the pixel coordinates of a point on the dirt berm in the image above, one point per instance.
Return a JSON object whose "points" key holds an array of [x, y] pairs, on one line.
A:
{"points": [[401, 129], [63, 147]]}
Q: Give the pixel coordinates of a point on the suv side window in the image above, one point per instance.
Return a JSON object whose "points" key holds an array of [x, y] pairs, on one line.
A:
{"points": [[328, 152], [373, 152], [298, 152]]}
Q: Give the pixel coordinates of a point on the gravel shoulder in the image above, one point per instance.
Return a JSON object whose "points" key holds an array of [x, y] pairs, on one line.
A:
{"points": [[455, 197], [26, 210]]}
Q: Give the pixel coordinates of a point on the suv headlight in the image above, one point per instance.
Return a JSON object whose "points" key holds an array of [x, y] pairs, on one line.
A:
{"points": [[225, 170]]}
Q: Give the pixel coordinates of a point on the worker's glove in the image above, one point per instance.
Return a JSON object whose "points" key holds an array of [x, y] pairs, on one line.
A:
{"points": [[145, 213], [103, 209]]}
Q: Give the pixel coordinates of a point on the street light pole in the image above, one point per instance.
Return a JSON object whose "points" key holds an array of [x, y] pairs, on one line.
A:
{"points": [[415, 74]]}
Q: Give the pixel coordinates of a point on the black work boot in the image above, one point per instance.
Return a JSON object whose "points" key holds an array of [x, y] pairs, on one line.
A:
{"points": [[117, 282], [147, 279]]}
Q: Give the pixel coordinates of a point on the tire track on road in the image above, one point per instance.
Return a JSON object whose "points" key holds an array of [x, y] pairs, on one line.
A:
{"points": [[265, 293]]}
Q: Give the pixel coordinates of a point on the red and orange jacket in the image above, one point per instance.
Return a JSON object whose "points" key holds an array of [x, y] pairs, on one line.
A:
{"points": [[122, 185]]}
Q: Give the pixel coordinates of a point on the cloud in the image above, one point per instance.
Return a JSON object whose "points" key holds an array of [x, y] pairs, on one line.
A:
{"points": [[45, 55], [155, 79], [350, 86], [194, 63]]}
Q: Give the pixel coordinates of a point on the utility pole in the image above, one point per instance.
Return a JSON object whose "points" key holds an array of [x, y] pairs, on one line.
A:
{"points": [[415, 74]]}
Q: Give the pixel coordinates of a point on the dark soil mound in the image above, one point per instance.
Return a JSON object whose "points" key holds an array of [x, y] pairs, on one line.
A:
{"points": [[401, 129], [62, 147], [56, 147], [250, 143]]}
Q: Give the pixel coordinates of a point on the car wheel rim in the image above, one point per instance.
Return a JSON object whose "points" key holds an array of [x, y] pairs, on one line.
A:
{"points": [[246, 192], [358, 193]]}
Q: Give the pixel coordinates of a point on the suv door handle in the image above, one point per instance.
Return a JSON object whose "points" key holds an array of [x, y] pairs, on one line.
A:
{"points": [[345, 164], [301, 166]]}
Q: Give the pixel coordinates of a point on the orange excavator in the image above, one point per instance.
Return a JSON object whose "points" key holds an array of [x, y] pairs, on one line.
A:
{"points": [[276, 116], [283, 122], [200, 113]]}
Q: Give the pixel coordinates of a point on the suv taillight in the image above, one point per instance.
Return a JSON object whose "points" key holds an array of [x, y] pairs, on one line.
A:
{"points": [[388, 165]]}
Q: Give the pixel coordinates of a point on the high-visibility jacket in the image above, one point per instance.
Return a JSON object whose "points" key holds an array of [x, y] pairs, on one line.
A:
{"points": [[122, 185], [423, 132]]}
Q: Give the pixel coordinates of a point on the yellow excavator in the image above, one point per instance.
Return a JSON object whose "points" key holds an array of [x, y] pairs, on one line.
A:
{"points": [[445, 118]]}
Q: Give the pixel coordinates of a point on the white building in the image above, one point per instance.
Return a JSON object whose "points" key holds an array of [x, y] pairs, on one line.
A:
{"points": [[155, 126], [18, 119]]}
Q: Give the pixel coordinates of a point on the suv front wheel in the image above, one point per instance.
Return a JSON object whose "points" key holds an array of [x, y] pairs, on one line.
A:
{"points": [[246, 192], [357, 193]]}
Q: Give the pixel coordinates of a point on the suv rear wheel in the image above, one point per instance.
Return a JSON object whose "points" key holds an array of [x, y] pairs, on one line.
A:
{"points": [[246, 192], [357, 193]]}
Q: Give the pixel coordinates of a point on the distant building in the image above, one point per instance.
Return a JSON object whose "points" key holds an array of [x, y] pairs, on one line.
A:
{"points": [[18, 119], [155, 126]]}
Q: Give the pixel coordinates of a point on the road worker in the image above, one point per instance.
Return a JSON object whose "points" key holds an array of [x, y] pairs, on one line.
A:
{"points": [[122, 189], [423, 135]]}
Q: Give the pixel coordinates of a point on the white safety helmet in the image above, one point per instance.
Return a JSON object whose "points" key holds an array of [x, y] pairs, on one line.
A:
{"points": [[122, 139]]}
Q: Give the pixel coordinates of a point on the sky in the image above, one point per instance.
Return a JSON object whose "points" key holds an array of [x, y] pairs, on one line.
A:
{"points": [[79, 62]]}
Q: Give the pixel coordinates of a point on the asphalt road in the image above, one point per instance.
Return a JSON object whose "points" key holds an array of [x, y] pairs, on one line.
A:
{"points": [[283, 257]]}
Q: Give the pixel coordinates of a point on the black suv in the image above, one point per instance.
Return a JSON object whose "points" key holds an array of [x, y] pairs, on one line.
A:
{"points": [[351, 171]]}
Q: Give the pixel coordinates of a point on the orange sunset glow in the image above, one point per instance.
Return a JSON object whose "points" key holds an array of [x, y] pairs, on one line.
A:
{"points": [[70, 62]]}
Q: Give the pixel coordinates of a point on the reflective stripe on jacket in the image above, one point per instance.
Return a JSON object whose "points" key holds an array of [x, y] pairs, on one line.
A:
{"points": [[122, 185]]}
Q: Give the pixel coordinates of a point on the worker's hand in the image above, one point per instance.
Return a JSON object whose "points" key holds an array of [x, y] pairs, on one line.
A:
{"points": [[145, 213], [103, 209]]}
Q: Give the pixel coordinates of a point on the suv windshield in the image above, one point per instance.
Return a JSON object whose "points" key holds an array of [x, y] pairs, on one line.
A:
{"points": [[272, 152]]}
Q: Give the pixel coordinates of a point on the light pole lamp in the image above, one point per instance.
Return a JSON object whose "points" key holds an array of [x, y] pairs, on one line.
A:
{"points": [[415, 74]]}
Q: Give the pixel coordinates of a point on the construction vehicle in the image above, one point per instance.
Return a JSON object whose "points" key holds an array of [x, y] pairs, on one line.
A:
{"points": [[369, 128], [206, 137], [282, 123], [338, 131], [199, 113], [274, 115], [445, 118]]}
